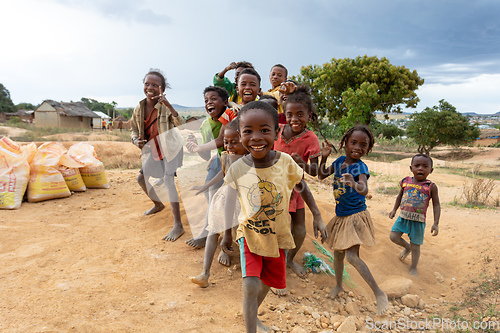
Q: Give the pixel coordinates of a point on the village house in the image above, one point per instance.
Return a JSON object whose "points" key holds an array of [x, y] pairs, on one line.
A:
{"points": [[64, 115]]}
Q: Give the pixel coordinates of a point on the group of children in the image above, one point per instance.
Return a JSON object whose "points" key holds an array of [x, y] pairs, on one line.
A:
{"points": [[257, 180]]}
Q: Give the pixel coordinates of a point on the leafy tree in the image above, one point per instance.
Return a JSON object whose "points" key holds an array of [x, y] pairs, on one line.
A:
{"points": [[6, 104], [26, 106], [388, 131], [127, 113], [95, 105], [354, 89], [440, 125]]}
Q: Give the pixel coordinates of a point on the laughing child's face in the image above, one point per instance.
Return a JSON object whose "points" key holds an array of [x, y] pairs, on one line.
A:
{"points": [[232, 142], [248, 88], [152, 87], [297, 116], [277, 76], [257, 132], [214, 104], [421, 168]]}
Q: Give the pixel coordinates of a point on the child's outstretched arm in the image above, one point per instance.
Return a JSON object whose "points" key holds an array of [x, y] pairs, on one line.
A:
{"points": [[325, 152], [214, 144], [311, 168], [397, 204], [318, 224], [227, 239], [191, 143], [361, 186], [436, 207], [218, 177]]}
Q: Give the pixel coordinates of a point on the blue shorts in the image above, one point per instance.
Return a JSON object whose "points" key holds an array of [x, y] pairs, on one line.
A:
{"points": [[414, 229]]}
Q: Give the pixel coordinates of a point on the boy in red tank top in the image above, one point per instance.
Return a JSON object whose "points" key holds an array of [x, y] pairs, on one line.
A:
{"points": [[413, 198]]}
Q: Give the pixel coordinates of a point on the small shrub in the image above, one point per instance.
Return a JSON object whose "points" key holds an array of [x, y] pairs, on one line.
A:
{"points": [[476, 191]]}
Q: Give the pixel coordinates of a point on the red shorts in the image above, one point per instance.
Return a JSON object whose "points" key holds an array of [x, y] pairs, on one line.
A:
{"points": [[272, 271], [296, 202]]}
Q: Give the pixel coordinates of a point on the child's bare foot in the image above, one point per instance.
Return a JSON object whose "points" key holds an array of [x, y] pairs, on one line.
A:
{"points": [[382, 303], [201, 280], [158, 207], [261, 327], [176, 232], [197, 243], [224, 259], [280, 292], [404, 254], [335, 291], [413, 272], [296, 268]]}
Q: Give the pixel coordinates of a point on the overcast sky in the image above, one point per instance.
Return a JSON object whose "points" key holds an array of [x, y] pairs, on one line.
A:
{"points": [[101, 49]]}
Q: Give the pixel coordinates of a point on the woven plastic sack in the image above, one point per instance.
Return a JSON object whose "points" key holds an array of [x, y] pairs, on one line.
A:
{"points": [[93, 173], [69, 168], [14, 173], [46, 182]]}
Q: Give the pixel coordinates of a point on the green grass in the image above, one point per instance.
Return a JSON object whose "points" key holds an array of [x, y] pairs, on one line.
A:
{"points": [[385, 157], [388, 190]]}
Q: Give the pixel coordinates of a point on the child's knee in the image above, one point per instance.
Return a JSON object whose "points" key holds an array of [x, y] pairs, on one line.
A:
{"points": [[251, 286], [395, 236]]}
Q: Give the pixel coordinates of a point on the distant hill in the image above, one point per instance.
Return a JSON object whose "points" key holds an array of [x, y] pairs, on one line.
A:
{"points": [[474, 114], [191, 111]]}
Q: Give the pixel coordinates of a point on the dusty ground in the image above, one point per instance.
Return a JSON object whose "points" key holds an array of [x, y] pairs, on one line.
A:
{"points": [[93, 263]]}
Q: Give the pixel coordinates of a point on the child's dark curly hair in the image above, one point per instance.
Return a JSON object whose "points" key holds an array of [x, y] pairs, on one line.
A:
{"points": [[302, 94], [159, 73], [244, 64], [361, 128], [219, 90]]}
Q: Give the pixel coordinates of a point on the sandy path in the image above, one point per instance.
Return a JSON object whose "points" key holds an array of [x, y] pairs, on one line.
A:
{"points": [[93, 263]]}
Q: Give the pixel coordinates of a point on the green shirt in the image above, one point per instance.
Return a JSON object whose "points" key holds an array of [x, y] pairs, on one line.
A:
{"points": [[210, 130]]}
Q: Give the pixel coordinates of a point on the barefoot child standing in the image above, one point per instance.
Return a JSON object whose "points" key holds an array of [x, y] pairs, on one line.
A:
{"points": [[153, 130], [263, 182], [352, 225], [413, 198]]}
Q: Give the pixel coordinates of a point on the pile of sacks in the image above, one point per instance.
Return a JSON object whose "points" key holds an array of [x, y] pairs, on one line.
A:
{"points": [[47, 172]]}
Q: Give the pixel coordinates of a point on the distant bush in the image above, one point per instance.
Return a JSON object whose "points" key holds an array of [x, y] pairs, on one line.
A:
{"points": [[15, 120]]}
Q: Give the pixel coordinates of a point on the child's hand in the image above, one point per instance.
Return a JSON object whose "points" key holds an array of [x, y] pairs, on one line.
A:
{"points": [[231, 66], [226, 244], [139, 143], [236, 107], [348, 179], [319, 226], [435, 230], [296, 157], [326, 149], [198, 188], [392, 214], [192, 147], [287, 88]]}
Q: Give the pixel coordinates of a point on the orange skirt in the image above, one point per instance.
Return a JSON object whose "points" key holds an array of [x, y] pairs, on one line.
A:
{"points": [[347, 231]]}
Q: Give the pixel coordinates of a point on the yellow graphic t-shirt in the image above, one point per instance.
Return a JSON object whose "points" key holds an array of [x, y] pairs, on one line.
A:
{"points": [[264, 195]]}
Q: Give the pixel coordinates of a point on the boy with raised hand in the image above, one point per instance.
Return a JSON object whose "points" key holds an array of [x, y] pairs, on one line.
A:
{"points": [[248, 88], [232, 88]]}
